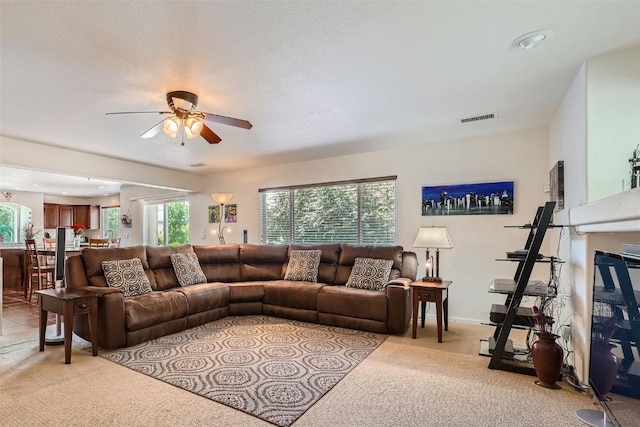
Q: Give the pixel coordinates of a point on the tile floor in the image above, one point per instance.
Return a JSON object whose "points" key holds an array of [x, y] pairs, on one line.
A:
{"points": [[19, 315]]}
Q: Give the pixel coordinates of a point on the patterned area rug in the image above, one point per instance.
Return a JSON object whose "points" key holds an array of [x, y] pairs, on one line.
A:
{"points": [[274, 369]]}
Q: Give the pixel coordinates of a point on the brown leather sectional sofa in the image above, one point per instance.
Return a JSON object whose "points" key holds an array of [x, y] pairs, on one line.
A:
{"points": [[242, 279]]}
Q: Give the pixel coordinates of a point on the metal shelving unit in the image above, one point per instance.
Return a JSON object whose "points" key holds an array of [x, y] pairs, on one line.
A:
{"points": [[499, 347]]}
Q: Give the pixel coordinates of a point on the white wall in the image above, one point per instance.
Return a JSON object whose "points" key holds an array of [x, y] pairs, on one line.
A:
{"points": [[478, 240], [613, 108], [568, 142], [76, 163], [584, 133], [34, 201]]}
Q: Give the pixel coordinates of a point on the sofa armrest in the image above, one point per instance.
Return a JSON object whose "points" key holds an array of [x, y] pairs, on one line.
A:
{"points": [[111, 318], [403, 282], [398, 305], [100, 290]]}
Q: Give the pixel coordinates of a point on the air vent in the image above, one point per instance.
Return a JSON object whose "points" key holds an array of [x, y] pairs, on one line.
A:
{"points": [[478, 118], [197, 165]]}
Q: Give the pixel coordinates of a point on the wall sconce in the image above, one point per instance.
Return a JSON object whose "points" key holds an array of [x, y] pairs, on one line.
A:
{"points": [[221, 199], [433, 238]]}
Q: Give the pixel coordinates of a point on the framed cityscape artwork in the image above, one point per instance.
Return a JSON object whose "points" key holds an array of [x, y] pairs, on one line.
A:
{"points": [[484, 198]]}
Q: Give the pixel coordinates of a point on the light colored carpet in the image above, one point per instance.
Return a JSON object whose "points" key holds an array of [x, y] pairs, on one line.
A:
{"points": [[274, 369], [404, 382]]}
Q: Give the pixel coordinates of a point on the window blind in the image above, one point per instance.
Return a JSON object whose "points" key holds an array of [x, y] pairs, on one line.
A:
{"points": [[361, 211]]}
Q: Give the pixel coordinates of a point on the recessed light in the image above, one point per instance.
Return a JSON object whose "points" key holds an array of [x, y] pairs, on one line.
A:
{"points": [[105, 194], [530, 40], [101, 187], [64, 193], [35, 185]]}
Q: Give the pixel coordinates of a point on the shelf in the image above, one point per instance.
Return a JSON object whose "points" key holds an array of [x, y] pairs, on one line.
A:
{"points": [[510, 315], [524, 315], [530, 226], [527, 294], [513, 359], [541, 260], [522, 328]]}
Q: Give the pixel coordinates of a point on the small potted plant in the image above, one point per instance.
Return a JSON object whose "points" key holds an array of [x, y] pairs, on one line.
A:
{"points": [[78, 231], [546, 353], [29, 232]]}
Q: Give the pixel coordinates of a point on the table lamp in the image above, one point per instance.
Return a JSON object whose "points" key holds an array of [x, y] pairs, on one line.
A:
{"points": [[433, 238]]}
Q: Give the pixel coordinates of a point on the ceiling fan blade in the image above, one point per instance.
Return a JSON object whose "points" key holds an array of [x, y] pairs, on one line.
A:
{"points": [[140, 112], [209, 135], [228, 120], [153, 131]]}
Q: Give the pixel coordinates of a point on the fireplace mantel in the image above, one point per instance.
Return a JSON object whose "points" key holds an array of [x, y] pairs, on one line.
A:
{"points": [[617, 213]]}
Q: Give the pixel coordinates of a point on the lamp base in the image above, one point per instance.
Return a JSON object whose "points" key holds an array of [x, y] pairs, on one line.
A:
{"points": [[432, 279]]}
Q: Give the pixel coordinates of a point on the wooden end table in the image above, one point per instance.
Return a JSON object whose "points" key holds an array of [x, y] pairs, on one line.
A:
{"points": [[437, 292], [69, 303]]}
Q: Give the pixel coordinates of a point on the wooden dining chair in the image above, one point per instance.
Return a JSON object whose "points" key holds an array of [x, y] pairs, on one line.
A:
{"points": [[40, 275], [99, 243], [114, 242], [50, 245]]}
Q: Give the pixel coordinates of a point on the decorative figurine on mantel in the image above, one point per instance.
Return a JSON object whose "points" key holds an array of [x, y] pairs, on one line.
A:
{"points": [[634, 161]]}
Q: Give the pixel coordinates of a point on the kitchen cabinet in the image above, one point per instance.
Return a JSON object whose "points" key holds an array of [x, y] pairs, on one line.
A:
{"points": [[66, 215], [51, 216]]}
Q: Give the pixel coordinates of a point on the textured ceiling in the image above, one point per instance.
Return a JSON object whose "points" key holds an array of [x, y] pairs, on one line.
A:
{"points": [[316, 79]]}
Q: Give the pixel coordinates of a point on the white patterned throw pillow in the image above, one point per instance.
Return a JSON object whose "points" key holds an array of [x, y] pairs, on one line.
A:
{"points": [[127, 275], [370, 273], [187, 269], [303, 265]]}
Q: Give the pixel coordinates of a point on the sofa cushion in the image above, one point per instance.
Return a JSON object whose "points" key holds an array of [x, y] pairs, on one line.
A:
{"points": [[352, 302], [187, 269], [154, 308], [370, 273], [205, 296], [159, 258], [220, 263], [287, 293], [263, 262], [328, 260], [92, 260], [350, 252], [246, 292], [126, 275], [303, 265]]}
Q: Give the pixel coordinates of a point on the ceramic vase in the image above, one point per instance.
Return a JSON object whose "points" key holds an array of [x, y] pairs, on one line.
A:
{"points": [[603, 368], [547, 360], [76, 242]]}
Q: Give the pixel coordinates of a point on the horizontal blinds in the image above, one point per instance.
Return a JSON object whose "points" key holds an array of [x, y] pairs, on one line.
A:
{"points": [[362, 211]]}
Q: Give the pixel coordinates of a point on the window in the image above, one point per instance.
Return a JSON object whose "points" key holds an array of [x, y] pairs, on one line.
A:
{"points": [[167, 224], [8, 224], [360, 211], [110, 220]]}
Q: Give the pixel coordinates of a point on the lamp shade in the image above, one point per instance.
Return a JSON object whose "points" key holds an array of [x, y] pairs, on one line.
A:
{"points": [[433, 237], [171, 126], [222, 198], [192, 127]]}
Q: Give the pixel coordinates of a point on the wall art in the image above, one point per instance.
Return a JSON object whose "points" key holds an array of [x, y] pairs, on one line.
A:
{"points": [[230, 213], [214, 214], [484, 198], [556, 184]]}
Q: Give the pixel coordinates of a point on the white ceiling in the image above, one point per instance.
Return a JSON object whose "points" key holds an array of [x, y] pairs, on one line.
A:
{"points": [[316, 79]]}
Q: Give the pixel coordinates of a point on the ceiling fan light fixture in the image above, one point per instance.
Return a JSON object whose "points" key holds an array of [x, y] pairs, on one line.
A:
{"points": [[171, 126], [192, 127]]}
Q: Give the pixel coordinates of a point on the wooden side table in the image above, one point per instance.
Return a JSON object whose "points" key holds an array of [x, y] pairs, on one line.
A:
{"points": [[69, 303], [437, 292]]}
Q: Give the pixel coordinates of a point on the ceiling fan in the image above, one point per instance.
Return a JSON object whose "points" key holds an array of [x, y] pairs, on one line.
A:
{"points": [[186, 120]]}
